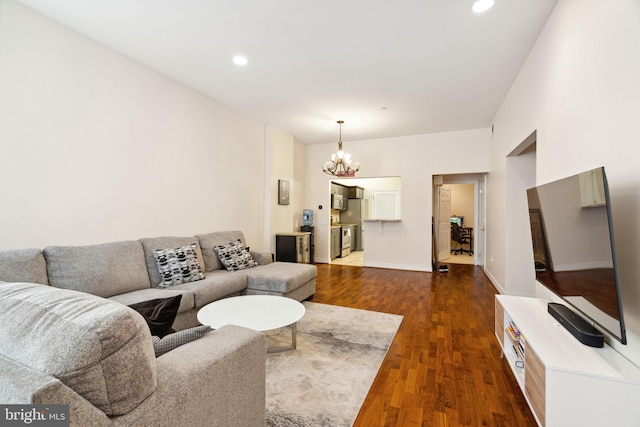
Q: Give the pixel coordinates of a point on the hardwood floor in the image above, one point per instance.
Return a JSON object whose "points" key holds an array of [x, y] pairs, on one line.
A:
{"points": [[444, 366]]}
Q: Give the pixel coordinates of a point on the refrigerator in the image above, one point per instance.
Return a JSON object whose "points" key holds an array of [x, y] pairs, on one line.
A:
{"points": [[355, 213]]}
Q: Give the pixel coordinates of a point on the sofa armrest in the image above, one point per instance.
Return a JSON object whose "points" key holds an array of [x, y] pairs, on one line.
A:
{"points": [[262, 258], [218, 380], [20, 384]]}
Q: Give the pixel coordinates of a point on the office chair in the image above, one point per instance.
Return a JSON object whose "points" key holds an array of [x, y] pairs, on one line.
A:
{"points": [[461, 238]]}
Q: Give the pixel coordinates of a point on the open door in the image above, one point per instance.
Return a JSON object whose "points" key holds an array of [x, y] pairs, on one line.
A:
{"points": [[443, 224]]}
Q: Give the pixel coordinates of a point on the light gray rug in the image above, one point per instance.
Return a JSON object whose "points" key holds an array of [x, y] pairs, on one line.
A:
{"points": [[326, 380]]}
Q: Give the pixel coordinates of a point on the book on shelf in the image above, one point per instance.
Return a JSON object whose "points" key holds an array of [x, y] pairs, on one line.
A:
{"points": [[519, 363], [517, 339], [514, 330]]}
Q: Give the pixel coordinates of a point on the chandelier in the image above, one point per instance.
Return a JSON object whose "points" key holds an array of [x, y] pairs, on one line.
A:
{"points": [[340, 163]]}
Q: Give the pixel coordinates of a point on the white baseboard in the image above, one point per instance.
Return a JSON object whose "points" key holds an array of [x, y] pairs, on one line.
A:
{"points": [[398, 266], [493, 280]]}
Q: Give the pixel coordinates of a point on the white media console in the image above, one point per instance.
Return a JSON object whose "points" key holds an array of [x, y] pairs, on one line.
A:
{"points": [[565, 382]]}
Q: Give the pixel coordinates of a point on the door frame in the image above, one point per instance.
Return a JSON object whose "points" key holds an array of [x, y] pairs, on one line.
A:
{"points": [[479, 206]]}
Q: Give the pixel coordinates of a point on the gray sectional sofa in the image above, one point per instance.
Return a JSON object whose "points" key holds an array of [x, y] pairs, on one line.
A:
{"points": [[126, 272], [96, 355], [55, 336]]}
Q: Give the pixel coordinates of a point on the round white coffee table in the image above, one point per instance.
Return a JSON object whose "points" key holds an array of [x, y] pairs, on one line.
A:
{"points": [[257, 312]]}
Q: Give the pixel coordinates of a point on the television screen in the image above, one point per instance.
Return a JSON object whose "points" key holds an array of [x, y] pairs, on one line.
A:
{"points": [[574, 247]]}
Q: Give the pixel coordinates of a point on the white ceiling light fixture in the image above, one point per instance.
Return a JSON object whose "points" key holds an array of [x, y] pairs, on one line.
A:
{"points": [[340, 163], [240, 60], [480, 6]]}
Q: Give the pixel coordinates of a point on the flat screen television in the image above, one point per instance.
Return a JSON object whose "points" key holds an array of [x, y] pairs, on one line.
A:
{"points": [[574, 247]]}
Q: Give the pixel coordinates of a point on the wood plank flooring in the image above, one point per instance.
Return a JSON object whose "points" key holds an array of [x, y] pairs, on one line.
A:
{"points": [[444, 366]]}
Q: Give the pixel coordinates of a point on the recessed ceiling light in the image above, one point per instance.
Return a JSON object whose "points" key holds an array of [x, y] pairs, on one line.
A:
{"points": [[482, 5], [240, 60]]}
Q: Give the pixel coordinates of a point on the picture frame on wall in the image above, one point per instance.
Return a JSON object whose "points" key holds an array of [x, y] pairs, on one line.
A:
{"points": [[283, 192]]}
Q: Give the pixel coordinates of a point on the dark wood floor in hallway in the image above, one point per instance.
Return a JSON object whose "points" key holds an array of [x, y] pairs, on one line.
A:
{"points": [[444, 366]]}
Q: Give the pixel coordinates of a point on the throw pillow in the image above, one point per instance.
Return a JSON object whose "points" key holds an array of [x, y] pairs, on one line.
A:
{"points": [[159, 313], [235, 256], [175, 340], [178, 265]]}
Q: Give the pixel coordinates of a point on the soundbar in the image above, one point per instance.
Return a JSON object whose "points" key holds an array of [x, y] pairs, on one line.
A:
{"points": [[576, 325]]}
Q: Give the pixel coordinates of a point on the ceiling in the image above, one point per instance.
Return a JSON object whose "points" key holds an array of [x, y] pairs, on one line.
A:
{"points": [[387, 68]]}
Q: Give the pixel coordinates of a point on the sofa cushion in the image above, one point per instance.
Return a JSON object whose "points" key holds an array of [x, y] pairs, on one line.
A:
{"points": [[280, 277], [151, 244], [235, 256], [215, 285], [23, 265], [186, 303], [176, 339], [105, 270], [159, 313], [209, 241], [178, 265], [99, 348]]}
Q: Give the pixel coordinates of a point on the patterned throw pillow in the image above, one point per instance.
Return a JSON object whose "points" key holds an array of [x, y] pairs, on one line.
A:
{"points": [[175, 340], [235, 256], [178, 265]]}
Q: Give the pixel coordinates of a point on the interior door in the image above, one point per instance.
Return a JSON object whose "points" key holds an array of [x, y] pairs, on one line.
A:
{"points": [[443, 238]]}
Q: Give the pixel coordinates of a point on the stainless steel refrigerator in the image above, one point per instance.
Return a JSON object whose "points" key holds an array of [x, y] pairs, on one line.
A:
{"points": [[355, 213]]}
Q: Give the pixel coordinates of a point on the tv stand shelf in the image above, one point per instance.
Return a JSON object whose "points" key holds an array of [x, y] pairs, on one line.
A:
{"points": [[565, 382]]}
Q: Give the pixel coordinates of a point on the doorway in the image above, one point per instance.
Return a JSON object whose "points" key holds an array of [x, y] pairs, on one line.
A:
{"points": [[459, 219]]}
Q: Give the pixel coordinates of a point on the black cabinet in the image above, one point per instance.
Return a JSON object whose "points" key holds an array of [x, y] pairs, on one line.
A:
{"points": [[293, 247]]}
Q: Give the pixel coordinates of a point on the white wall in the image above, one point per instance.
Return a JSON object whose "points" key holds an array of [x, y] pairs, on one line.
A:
{"points": [[96, 147], [579, 90], [462, 202], [405, 244], [298, 186], [280, 166]]}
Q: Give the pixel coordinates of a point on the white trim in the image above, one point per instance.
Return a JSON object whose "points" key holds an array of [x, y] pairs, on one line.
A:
{"points": [[397, 266]]}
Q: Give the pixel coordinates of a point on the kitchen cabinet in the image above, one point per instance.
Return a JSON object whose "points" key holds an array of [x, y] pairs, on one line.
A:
{"points": [[337, 188], [356, 193], [293, 247], [335, 242]]}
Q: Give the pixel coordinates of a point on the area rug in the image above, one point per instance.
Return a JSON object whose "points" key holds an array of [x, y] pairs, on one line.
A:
{"points": [[326, 380]]}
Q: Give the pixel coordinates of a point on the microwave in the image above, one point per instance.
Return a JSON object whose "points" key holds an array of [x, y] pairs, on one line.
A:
{"points": [[337, 201]]}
